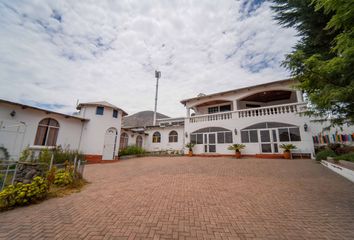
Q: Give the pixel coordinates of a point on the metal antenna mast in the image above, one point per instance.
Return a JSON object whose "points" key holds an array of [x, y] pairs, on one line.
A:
{"points": [[157, 76]]}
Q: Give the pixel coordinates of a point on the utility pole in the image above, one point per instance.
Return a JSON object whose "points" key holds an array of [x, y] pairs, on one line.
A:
{"points": [[157, 76]]}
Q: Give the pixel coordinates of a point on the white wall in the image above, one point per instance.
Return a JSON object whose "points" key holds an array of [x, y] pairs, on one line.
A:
{"points": [[164, 144], [68, 135], [95, 129]]}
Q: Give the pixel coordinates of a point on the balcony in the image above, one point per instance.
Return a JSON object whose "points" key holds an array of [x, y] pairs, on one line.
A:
{"points": [[251, 112]]}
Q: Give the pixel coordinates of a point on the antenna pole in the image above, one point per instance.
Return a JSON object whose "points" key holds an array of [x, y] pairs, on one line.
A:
{"points": [[157, 76]]}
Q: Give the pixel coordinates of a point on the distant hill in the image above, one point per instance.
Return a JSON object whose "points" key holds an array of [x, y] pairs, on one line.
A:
{"points": [[141, 119]]}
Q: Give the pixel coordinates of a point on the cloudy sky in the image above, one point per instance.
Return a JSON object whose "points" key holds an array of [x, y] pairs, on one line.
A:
{"points": [[55, 52]]}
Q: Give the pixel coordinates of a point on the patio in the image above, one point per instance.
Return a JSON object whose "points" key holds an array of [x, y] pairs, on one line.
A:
{"points": [[195, 198]]}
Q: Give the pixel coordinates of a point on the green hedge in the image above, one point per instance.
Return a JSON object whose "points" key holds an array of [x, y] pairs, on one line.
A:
{"points": [[132, 150], [347, 157], [322, 155]]}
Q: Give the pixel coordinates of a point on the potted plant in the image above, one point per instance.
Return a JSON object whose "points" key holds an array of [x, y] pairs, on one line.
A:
{"points": [[237, 148], [190, 148], [287, 150]]}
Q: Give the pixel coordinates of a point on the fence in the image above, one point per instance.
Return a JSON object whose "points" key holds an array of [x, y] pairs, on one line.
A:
{"points": [[9, 170]]}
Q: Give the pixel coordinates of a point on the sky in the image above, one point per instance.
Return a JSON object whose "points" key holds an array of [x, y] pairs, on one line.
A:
{"points": [[53, 53]]}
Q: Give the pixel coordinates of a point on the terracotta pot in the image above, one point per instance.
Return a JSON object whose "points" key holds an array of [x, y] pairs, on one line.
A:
{"points": [[238, 154], [287, 154], [190, 153]]}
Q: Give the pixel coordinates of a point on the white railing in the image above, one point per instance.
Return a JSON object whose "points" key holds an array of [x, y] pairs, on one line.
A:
{"points": [[253, 112]]}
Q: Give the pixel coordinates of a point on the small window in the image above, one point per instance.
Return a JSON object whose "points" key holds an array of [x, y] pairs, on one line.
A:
{"points": [[173, 136], [156, 137], [253, 136], [99, 110], [228, 137], [115, 113], [123, 141], [294, 134], [47, 132], [213, 110], [244, 137], [284, 135], [193, 138], [225, 108], [139, 141], [200, 138]]}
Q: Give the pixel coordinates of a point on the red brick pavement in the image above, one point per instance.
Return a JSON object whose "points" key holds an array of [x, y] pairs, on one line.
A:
{"points": [[195, 198]]}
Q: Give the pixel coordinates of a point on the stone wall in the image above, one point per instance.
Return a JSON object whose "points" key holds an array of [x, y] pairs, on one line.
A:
{"points": [[27, 171]]}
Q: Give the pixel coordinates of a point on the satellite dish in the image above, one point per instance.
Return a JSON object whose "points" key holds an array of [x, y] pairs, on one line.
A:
{"points": [[201, 95]]}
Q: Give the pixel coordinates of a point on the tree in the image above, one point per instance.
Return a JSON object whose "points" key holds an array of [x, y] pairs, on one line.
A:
{"points": [[323, 60]]}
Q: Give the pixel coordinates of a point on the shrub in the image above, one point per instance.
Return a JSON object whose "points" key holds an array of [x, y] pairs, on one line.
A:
{"points": [[23, 194], [344, 150], [62, 155], [347, 157], [324, 154], [45, 156], [63, 178], [333, 146], [131, 150]]}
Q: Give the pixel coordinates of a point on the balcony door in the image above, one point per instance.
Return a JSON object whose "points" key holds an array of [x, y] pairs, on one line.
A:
{"points": [[209, 142], [269, 141]]}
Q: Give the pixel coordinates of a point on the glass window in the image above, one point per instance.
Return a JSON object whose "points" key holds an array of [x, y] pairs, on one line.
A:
{"points": [[212, 148], [156, 137], [99, 110], [123, 141], [294, 134], [115, 113], [265, 136], [244, 137], [212, 139], [47, 132], [173, 136], [193, 138], [200, 138], [276, 147], [283, 135], [228, 137], [225, 108], [266, 148], [274, 133], [139, 141], [221, 137], [253, 136], [213, 110]]}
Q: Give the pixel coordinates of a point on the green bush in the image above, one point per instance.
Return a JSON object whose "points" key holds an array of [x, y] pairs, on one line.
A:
{"points": [[322, 155], [132, 150], [347, 157], [63, 178], [66, 155], [23, 194]]}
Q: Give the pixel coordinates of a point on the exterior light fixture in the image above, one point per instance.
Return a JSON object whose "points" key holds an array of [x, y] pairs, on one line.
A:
{"points": [[13, 113], [306, 127], [235, 131], [186, 135]]}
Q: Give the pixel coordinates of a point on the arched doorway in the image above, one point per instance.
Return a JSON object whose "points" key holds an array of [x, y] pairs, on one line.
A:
{"points": [[110, 143]]}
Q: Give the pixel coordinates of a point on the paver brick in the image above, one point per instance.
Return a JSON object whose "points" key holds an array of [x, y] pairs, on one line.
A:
{"points": [[194, 198]]}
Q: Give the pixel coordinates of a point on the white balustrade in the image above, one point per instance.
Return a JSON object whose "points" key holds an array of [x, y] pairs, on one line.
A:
{"points": [[253, 112]]}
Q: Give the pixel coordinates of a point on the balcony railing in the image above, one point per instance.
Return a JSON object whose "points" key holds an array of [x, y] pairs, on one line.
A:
{"points": [[253, 112]]}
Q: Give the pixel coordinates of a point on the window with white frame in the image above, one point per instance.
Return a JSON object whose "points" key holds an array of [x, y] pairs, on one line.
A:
{"points": [[123, 143], [156, 137], [222, 108], [173, 136], [47, 132]]}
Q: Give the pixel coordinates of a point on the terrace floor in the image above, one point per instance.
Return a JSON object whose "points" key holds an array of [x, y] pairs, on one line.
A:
{"points": [[195, 198]]}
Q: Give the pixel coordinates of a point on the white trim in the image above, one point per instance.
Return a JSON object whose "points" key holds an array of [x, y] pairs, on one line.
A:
{"points": [[344, 172]]}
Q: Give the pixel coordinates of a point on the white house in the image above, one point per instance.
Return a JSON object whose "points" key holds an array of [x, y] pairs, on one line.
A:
{"points": [[262, 117]]}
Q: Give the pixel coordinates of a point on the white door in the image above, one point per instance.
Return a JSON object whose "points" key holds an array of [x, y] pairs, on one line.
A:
{"points": [[110, 142], [269, 141], [209, 142]]}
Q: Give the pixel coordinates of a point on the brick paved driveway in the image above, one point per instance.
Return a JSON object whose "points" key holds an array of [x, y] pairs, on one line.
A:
{"points": [[195, 198]]}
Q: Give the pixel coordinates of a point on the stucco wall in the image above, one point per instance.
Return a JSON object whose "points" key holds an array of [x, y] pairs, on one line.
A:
{"points": [[68, 135], [164, 144]]}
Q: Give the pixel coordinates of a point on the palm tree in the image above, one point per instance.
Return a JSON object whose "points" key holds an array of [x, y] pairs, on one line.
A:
{"points": [[237, 148]]}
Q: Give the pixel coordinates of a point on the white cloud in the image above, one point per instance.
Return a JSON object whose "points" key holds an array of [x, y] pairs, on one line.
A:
{"points": [[57, 52]]}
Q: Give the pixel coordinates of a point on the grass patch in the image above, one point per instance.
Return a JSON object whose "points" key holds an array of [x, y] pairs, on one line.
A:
{"points": [[74, 187]]}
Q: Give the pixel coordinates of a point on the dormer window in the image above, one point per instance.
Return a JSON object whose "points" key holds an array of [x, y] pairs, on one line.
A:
{"points": [[115, 113], [99, 110]]}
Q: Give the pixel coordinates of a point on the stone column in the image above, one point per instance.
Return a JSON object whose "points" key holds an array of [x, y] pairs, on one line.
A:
{"points": [[299, 96]]}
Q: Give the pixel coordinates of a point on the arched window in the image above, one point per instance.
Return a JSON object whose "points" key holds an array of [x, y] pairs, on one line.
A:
{"points": [[123, 141], [47, 132], [139, 141], [173, 136], [156, 137]]}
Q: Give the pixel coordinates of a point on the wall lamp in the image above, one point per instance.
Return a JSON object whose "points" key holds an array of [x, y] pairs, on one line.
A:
{"points": [[235, 131], [13, 113], [306, 127], [186, 135]]}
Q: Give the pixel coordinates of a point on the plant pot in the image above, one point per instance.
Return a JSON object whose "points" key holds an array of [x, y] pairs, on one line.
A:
{"points": [[238, 154], [190, 153], [287, 154]]}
